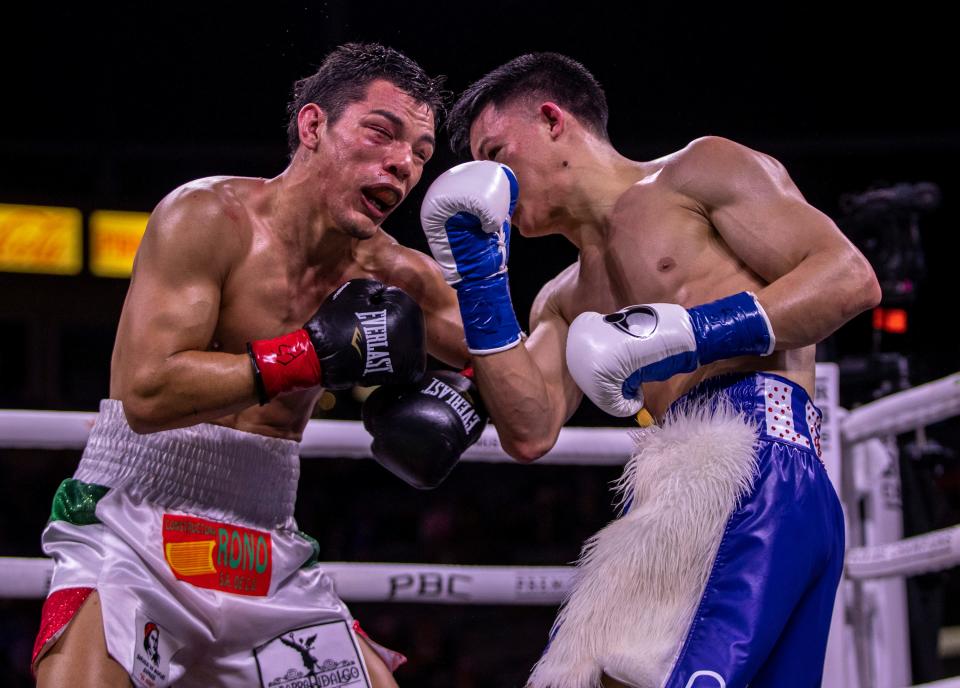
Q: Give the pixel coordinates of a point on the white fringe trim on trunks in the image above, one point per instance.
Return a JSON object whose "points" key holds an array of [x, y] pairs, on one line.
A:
{"points": [[638, 581]]}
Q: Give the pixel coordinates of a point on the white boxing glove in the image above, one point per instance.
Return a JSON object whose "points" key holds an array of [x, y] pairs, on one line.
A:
{"points": [[466, 218], [610, 356]]}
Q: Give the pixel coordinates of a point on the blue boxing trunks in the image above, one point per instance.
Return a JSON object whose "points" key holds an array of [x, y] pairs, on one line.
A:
{"points": [[723, 569]]}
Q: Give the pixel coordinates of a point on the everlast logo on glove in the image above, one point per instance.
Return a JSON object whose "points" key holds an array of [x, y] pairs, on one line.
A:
{"points": [[327, 350], [419, 431], [461, 406], [374, 325]]}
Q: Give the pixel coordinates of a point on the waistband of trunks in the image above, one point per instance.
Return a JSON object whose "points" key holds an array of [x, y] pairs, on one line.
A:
{"points": [[210, 470], [781, 408]]}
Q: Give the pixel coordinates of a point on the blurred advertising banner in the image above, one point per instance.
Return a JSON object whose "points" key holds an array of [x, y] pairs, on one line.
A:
{"points": [[114, 238], [41, 239]]}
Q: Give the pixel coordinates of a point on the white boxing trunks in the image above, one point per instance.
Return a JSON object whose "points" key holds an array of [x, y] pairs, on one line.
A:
{"points": [[189, 539]]}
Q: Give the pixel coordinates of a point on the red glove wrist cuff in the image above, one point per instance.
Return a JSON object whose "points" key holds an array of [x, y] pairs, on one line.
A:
{"points": [[284, 364]]}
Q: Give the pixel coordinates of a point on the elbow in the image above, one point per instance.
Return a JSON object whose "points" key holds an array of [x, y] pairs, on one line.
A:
{"points": [[143, 410], [866, 293], [142, 415], [529, 450], [872, 291]]}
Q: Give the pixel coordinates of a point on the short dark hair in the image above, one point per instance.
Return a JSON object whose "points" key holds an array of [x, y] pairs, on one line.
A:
{"points": [[344, 75], [548, 75]]}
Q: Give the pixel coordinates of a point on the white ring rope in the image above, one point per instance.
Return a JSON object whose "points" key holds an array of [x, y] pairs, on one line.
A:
{"points": [[945, 683], [904, 411], [29, 578], [892, 415], [897, 413], [531, 585], [327, 438], [911, 556]]}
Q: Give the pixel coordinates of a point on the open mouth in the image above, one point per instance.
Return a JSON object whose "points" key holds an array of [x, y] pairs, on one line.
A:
{"points": [[382, 198]]}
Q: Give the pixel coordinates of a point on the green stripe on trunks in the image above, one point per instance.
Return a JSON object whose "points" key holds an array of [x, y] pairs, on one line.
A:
{"points": [[76, 502], [315, 555]]}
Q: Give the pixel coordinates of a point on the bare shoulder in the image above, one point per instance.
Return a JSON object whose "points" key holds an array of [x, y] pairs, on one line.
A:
{"points": [[203, 219], [210, 198], [392, 262], [553, 296], [717, 151], [714, 169], [383, 256]]}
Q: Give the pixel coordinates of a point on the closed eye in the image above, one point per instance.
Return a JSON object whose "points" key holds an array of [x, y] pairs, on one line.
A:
{"points": [[422, 157], [492, 153]]}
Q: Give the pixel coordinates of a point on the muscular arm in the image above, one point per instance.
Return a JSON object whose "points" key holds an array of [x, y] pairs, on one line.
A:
{"points": [[419, 276], [161, 370], [817, 279], [527, 389]]}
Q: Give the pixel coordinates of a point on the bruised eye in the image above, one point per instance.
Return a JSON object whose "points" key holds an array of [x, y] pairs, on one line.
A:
{"points": [[381, 131], [492, 153]]}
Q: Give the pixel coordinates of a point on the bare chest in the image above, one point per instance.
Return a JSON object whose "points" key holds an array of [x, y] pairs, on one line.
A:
{"points": [[642, 264], [659, 250], [262, 298]]}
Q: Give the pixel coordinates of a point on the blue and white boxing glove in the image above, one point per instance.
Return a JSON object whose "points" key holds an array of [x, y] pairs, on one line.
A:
{"points": [[466, 217], [610, 356]]}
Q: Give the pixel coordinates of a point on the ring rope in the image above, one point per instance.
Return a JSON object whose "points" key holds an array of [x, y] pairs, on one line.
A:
{"points": [[29, 578], [23, 429], [904, 411], [532, 585]]}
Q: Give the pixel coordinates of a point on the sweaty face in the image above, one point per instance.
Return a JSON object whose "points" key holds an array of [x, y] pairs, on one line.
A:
{"points": [[518, 138], [372, 156]]}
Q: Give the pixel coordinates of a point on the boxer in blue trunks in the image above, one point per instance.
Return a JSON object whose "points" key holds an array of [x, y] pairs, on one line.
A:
{"points": [[704, 281]]}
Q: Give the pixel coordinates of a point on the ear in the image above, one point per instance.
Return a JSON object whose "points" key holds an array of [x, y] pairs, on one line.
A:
{"points": [[310, 121], [554, 117]]}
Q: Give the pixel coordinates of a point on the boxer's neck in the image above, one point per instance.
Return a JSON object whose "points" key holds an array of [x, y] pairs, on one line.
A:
{"points": [[598, 177], [299, 217]]}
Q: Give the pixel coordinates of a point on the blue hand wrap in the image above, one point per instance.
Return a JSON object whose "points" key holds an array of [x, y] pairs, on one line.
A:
{"points": [[483, 291], [477, 253], [488, 318], [726, 328], [730, 327]]}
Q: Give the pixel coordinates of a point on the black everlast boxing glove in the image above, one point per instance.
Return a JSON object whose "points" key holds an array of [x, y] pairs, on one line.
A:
{"points": [[364, 333], [419, 431]]}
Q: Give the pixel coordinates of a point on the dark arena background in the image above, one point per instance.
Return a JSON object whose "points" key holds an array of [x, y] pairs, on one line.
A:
{"points": [[111, 107]]}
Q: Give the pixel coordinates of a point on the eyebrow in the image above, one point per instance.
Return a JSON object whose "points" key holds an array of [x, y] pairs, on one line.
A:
{"points": [[397, 122]]}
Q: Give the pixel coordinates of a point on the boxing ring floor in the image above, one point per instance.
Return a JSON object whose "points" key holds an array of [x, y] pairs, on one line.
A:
{"points": [[869, 643]]}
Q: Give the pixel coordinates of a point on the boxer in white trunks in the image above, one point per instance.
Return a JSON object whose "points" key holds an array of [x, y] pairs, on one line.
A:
{"points": [[176, 554]]}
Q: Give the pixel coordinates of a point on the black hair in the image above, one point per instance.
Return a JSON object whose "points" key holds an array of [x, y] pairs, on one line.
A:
{"points": [[344, 75], [541, 75]]}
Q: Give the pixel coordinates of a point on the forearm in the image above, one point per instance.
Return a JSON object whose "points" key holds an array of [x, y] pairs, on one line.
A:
{"points": [[445, 338], [466, 218], [813, 300], [520, 403], [187, 388]]}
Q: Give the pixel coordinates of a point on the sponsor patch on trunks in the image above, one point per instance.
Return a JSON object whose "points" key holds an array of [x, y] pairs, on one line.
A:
{"points": [[321, 656], [153, 647], [218, 556]]}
